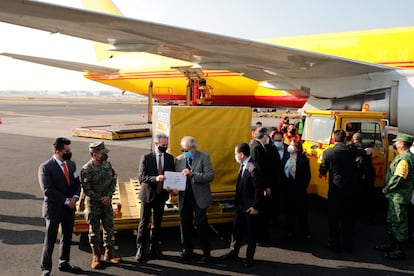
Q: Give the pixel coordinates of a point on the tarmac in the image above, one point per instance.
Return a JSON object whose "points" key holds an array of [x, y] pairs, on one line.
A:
{"points": [[29, 123]]}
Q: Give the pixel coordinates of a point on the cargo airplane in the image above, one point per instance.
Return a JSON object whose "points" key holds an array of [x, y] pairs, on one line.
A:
{"points": [[340, 70]]}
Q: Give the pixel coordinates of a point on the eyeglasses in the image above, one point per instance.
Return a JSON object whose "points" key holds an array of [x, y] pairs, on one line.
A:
{"points": [[184, 150]]}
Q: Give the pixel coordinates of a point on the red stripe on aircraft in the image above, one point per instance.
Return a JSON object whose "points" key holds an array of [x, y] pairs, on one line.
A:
{"points": [[253, 101], [396, 62]]}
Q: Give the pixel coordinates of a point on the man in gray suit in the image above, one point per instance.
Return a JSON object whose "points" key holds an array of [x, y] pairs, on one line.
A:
{"points": [[196, 166], [60, 184]]}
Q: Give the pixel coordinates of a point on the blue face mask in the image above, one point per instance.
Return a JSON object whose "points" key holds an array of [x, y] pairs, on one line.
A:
{"points": [[278, 144], [187, 154]]}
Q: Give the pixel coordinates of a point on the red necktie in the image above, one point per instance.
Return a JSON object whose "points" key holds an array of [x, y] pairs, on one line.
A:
{"points": [[65, 169], [159, 184]]}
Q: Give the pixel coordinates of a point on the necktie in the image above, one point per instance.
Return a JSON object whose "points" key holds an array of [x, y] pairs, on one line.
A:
{"points": [[189, 163], [65, 170], [241, 169], [159, 184]]}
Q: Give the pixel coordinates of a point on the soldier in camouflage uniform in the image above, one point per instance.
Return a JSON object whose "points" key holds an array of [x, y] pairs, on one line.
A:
{"points": [[398, 189], [98, 181]]}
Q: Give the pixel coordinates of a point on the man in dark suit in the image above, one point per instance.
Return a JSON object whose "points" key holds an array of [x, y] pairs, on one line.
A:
{"points": [[339, 161], [193, 202], [60, 184], [249, 194], [281, 147], [280, 193], [153, 196], [260, 154]]}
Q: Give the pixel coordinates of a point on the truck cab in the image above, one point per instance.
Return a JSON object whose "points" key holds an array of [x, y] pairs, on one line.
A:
{"points": [[318, 136]]}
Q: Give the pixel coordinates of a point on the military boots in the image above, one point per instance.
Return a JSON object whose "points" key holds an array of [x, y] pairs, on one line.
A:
{"points": [[96, 258], [110, 255]]}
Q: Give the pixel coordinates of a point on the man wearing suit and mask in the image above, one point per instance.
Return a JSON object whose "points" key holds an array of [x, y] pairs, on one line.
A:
{"points": [[260, 153], [153, 196], [281, 203], [249, 195], [60, 184], [193, 202]]}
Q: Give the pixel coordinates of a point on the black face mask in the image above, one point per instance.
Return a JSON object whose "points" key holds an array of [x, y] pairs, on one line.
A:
{"points": [[292, 131], [104, 157], [394, 146], [162, 149], [67, 156]]}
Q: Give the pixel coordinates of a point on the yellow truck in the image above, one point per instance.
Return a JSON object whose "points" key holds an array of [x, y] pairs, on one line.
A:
{"points": [[217, 131], [318, 136]]}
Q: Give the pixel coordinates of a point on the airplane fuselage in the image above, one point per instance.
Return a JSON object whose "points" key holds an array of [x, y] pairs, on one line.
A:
{"points": [[228, 88], [232, 88]]}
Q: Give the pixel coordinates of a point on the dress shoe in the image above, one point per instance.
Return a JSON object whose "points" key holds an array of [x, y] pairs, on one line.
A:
{"points": [[157, 253], [67, 267], [395, 255], [385, 247], [334, 247], [232, 255], [248, 263], [206, 258], [186, 254], [139, 256], [264, 244]]}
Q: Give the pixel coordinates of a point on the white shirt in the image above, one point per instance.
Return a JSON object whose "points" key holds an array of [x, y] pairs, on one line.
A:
{"points": [[244, 164]]}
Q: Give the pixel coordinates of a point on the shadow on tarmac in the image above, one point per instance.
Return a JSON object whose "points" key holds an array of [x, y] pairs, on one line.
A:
{"points": [[35, 221], [17, 195], [24, 237]]}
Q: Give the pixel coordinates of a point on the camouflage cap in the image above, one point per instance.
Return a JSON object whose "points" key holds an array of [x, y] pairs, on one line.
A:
{"points": [[403, 137], [97, 146]]}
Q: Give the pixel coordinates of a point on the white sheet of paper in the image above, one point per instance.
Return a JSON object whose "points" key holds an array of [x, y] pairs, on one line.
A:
{"points": [[174, 180]]}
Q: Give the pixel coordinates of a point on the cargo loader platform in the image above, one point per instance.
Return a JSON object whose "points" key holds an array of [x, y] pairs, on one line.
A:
{"points": [[114, 132], [126, 206]]}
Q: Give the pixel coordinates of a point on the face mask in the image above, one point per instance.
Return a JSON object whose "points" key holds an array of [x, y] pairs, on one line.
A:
{"points": [[104, 157], [67, 156], [291, 149], [278, 144], [187, 154], [292, 131], [162, 149], [394, 146], [412, 150], [237, 159]]}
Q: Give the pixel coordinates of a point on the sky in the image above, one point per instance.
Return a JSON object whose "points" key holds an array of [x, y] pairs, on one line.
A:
{"points": [[236, 18]]}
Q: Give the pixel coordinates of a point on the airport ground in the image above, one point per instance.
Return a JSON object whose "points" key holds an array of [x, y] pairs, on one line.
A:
{"points": [[28, 126]]}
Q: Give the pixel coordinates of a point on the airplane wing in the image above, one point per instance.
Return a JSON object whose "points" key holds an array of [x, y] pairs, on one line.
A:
{"points": [[256, 60], [70, 65]]}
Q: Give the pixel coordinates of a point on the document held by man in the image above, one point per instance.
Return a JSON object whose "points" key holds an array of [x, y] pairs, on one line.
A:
{"points": [[174, 180]]}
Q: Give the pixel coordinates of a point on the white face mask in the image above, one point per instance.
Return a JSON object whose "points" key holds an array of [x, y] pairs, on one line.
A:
{"points": [[237, 159], [291, 149], [412, 149]]}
